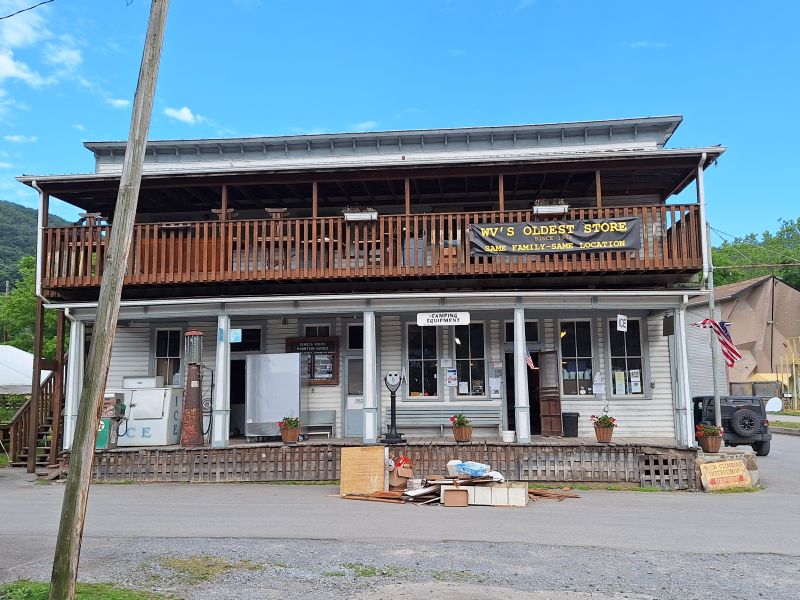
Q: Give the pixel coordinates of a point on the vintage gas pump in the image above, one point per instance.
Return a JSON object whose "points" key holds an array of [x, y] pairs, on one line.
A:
{"points": [[192, 422], [112, 412]]}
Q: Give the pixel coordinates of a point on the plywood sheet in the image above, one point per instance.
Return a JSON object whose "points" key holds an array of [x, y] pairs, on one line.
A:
{"points": [[363, 470]]}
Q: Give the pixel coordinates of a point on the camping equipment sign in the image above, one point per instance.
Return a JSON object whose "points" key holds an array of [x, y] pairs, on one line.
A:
{"points": [[547, 237]]}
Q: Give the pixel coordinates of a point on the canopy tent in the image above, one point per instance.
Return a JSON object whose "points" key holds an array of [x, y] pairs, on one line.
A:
{"points": [[16, 370]]}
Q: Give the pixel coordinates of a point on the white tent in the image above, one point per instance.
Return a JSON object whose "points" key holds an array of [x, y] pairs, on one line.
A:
{"points": [[16, 370]]}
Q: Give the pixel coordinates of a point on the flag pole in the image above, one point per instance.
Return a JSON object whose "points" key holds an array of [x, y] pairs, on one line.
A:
{"points": [[711, 333]]}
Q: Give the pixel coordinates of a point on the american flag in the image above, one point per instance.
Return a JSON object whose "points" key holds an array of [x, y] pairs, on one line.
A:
{"points": [[720, 328], [529, 360]]}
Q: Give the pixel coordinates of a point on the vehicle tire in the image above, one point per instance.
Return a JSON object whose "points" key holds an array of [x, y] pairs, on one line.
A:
{"points": [[745, 422], [761, 448]]}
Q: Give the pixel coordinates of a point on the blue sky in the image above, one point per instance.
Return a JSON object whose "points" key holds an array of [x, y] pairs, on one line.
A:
{"points": [[258, 67]]}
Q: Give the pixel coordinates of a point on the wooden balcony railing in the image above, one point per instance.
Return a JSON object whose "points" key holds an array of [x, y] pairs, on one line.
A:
{"points": [[329, 248]]}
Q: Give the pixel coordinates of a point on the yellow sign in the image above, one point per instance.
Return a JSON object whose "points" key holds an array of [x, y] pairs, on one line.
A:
{"points": [[724, 475]]}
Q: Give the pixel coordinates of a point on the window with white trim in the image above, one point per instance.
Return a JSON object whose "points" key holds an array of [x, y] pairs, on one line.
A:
{"points": [[469, 342], [422, 350], [576, 357], [531, 332], [167, 357], [317, 331], [355, 336], [625, 350]]}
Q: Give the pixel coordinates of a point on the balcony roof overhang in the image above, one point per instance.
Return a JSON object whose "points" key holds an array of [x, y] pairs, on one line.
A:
{"points": [[669, 171]]}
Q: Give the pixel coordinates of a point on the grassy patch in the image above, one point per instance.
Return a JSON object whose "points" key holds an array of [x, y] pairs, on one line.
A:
{"points": [[790, 413], [204, 567], [334, 574], [38, 590], [632, 488], [740, 490], [786, 424], [327, 482], [3, 459], [463, 576], [362, 570], [555, 486]]}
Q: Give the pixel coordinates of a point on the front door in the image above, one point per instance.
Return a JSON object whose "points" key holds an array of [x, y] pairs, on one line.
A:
{"points": [[533, 394], [354, 396]]}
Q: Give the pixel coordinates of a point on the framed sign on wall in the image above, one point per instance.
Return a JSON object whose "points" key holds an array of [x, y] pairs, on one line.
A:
{"points": [[320, 358]]}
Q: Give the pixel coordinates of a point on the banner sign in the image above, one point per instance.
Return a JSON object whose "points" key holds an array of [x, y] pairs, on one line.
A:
{"points": [[442, 319], [546, 237]]}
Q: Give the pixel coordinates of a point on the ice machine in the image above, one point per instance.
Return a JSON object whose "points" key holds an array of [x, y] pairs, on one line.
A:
{"points": [[153, 417], [274, 389]]}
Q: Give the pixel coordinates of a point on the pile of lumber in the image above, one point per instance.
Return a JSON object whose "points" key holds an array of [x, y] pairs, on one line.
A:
{"points": [[559, 495]]}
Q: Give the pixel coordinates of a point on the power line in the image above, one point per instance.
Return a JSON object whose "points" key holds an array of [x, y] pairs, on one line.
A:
{"points": [[735, 239], [762, 266], [22, 10]]}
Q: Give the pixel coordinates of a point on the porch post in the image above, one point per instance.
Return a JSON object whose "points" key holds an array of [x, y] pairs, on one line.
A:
{"points": [[685, 436], [521, 406], [220, 423], [370, 433], [77, 332]]}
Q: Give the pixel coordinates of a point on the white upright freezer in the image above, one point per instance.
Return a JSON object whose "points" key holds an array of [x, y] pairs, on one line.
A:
{"points": [[274, 390], [153, 417]]}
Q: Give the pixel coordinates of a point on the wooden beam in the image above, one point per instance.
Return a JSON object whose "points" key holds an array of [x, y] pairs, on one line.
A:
{"points": [[58, 389], [223, 215], [408, 195], [314, 200], [501, 192], [598, 189]]}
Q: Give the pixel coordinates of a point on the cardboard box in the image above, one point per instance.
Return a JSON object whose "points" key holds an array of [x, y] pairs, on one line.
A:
{"points": [[469, 489], [398, 478], [455, 496]]}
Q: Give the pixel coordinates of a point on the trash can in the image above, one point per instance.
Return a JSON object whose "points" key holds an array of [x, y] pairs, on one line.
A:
{"points": [[569, 420]]}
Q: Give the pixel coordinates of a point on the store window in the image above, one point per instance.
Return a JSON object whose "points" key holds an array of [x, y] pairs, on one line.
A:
{"points": [[168, 355], [422, 352], [317, 330], [355, 337], [576, 357], [625, 349], [531, 331], [250, 341], [470, 359]]}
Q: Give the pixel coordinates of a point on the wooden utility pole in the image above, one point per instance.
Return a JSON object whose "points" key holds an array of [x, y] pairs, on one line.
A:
{"points": [[76, 492]]}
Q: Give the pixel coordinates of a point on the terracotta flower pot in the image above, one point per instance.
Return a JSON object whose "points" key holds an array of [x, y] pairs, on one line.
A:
{"points": [[710, 443], [603, 434], [289, 435], [462, 434]]}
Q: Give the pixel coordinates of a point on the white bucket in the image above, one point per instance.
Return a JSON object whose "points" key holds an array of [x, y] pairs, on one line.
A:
{"points": [[508, 436]]}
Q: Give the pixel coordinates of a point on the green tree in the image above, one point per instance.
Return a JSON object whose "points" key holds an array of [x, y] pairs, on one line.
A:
{"points": [[780, 248], [18, 312]]}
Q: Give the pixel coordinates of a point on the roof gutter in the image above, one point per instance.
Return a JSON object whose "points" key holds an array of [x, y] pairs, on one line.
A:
{"points": [[39, 239]]}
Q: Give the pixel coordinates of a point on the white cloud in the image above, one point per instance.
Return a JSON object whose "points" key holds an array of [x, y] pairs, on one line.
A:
{"points": [[455, 52], [79, 126], [20, 139], [63, 55], [646, 44], [25, 29], [14, 69], [184, 115], [118, 102], [365, 126], [6, 165]]}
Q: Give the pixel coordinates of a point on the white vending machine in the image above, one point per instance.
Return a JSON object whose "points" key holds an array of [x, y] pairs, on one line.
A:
{"points": [[274, 390], [152, 415]]}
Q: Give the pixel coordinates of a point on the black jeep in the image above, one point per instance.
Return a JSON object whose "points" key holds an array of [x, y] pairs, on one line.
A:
{"points": [[744, 420]]}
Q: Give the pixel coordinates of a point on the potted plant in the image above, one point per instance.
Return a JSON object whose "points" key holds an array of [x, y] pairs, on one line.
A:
{"points": [[709, 436], [604, 426], [290, 429], [462, 430]]}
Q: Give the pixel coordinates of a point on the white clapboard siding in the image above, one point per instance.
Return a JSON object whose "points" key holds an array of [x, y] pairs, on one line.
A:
{"points": [[130, 355], [648, 416], [698, 349], [390, 342]]}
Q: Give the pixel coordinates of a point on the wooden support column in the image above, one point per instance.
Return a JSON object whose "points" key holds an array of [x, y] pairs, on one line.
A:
{"points": [[223, 215], [315, 242], [371, 395], [598, 189], [221, 411], [33, 410], [501, 192], [408, 196], [314, 199], [58, 389], [521, 400]]}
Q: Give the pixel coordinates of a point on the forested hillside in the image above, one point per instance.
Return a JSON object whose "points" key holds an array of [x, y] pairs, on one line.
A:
{"points": [[17, 238]]}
